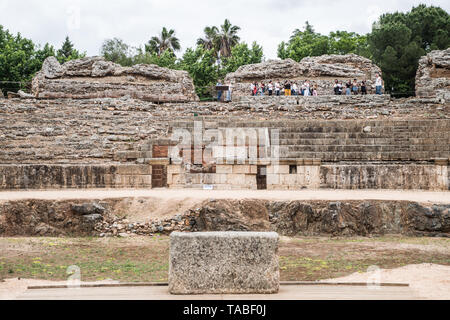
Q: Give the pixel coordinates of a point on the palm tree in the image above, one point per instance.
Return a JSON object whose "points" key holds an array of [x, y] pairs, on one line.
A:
{"points": [[210, 40], [165, 41], [227, 38]]}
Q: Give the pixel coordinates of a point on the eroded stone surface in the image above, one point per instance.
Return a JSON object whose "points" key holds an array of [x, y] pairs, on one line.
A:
{"points": [[223, 262], [433, 75], [94, 77]]}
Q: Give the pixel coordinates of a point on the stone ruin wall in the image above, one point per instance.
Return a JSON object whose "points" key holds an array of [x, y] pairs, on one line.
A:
{"points": [[95, 77], [322, 71], [433, 75], [68, 143], [75, 131]]}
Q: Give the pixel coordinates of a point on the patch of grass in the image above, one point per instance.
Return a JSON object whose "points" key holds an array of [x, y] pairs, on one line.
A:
{"points": [[146, 258]]}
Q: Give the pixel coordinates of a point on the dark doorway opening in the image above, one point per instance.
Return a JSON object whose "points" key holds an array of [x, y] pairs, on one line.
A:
{"points": [[159, 176], [261, 178]]}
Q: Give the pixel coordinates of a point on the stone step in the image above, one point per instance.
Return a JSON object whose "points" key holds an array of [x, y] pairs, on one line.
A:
{"points": [[338, 156], [364, 141], [365, 148]]}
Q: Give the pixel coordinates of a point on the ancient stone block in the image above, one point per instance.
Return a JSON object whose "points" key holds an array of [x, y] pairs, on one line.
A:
{"points": [[224, 168], [94, 77], [433, 75], [223, 262]]}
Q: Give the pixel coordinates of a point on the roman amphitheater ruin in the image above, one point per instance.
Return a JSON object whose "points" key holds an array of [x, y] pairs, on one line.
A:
{"points": [[90, 123]]}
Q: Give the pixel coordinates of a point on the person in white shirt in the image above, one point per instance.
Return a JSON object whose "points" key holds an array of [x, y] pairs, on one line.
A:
{"points": [[252, 88], [378, 84], [270, 88], [294, 89], [307, 92], [277, 88], [229, 91]]}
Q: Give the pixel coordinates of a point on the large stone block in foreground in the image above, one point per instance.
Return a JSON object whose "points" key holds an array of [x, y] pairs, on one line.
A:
{"points": [[223, 262]]}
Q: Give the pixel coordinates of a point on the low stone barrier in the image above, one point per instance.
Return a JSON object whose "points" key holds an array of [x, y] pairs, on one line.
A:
{"points": [[223, 262]]}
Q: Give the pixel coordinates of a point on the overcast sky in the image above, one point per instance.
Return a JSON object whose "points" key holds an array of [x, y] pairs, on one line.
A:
{"points": [[89, 22]]}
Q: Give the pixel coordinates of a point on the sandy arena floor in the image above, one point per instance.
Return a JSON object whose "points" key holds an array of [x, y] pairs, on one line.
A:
{"points": [[321, 194], [426, 281]]}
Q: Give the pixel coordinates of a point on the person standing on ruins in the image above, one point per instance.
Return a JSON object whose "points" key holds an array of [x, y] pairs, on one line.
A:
{"points": [[229, 92], [294, 89], [219, 92], [348, 85], [378, 84], [277, 88], [336, 87], [355, 87], [287, 88], [270, 88], [306, 92], [363, 87]]}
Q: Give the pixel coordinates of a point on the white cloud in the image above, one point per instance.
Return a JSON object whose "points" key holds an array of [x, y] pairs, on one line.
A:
{"points": [[266, 21]]}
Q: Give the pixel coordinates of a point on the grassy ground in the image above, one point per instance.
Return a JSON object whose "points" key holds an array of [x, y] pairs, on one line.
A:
{"points": [[146, 258]]}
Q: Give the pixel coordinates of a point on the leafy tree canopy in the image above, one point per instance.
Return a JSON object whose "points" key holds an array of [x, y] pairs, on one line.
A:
{"points": [[309, 43], [398, 40]]}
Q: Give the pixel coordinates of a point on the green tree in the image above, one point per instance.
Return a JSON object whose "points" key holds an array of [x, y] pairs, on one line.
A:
{"points": [[166, 59], [282, 52], [117, 51], [241, 54], [20, 59], [343, 42], [398, 40], [165, 41], [201, 66], [304, 44], [68, 52], [309, 43]]}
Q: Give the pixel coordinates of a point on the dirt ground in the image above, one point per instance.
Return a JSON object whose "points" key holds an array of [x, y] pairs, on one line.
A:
{"points": [[423, 262], [192, 194]]}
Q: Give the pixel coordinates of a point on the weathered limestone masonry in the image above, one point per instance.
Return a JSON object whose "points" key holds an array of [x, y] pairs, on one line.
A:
{"points": [[322, 71], [69, 143], [433, 75], [223, 262], [347, 154], [94, 77]]}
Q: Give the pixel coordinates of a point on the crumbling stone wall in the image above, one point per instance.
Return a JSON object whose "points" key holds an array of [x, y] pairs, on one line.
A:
{"points": [[322, 71], [433, 75], [94, 77]]}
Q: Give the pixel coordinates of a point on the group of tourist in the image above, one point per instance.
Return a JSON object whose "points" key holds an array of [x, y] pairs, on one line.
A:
{"points": [[354, 87], [287, 88]]}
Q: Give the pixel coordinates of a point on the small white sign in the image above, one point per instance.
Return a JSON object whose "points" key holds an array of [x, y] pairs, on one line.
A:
{"points": [[208, 187]]}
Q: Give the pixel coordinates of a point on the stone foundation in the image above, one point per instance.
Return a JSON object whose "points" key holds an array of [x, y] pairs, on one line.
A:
{"points": [[223, 262], [55, 176], [297, 175]]}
